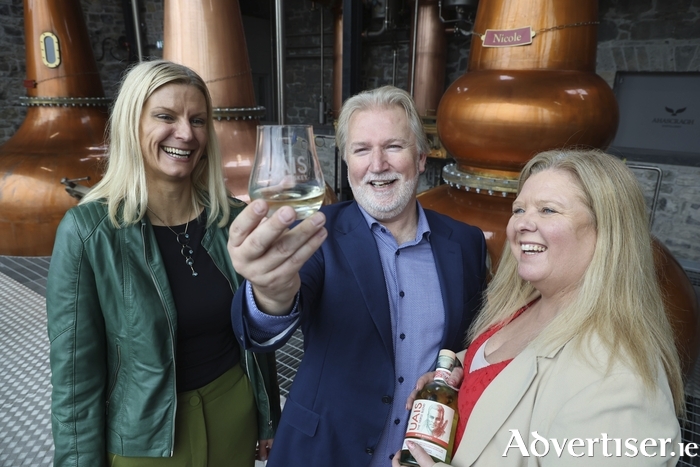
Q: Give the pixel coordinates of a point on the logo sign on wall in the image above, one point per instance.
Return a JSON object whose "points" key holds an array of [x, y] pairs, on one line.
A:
{"points": [[659, 117]]}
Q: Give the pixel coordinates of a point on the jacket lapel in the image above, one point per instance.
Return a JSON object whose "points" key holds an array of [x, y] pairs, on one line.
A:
{"points": [[499, 400], [448, 262], [358, 245], [496, 404]]}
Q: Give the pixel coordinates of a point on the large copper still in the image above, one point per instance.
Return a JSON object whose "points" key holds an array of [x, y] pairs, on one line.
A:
{"points": [[62, 134], [208, 37], [516, 101]]}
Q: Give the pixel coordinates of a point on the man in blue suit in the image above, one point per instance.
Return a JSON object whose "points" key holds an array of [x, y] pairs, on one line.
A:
{"points": [[378, 285]]}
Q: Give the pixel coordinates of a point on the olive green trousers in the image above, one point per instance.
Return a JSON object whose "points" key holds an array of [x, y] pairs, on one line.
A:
{"points": [[215, 426]]}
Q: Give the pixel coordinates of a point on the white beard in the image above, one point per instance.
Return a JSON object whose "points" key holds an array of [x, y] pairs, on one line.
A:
{"points": [[385, 206]]}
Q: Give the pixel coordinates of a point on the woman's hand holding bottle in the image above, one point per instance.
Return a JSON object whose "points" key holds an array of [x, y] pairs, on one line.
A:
{"points": [[455, 380], [418, 453]]}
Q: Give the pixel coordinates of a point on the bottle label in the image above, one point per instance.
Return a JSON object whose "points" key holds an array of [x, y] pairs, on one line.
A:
{"points": [[442, 374], [430, 426]]}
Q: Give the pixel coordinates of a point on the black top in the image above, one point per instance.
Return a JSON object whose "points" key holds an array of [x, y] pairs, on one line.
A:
{"points": [[206, 345]]}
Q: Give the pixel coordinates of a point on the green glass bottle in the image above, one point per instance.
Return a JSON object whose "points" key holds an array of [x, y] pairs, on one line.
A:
{"points": [[434, 415]]}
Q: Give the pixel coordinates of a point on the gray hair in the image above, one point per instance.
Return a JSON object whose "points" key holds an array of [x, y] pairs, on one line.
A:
{"points": [[381, 98]]}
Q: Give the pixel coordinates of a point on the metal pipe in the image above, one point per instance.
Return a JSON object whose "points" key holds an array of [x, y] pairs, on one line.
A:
{"points": [[415, 43], [292, 48], [307, 56], [338, 172], [137, 28], [659, 179], [394, 66], [443, 20], [322, 104], [337, 75], [302, 34], [279, 41], [385, 23], [457, 30], [379, 32]]}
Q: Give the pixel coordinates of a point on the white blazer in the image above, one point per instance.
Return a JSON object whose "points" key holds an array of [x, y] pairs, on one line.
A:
{"points": [[562, 396]]}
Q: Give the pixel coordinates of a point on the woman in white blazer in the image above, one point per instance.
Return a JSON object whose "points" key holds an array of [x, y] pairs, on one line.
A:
{"points": [[572, 359]]}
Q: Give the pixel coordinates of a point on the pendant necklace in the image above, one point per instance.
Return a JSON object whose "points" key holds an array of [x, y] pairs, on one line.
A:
{"points": [[183, 238]]}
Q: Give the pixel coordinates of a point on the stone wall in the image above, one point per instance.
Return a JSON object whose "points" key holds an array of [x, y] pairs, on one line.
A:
{"points": [[105, 23], [648, 35], [634, 35], [676, 219], [659, 36], [12, 66]]}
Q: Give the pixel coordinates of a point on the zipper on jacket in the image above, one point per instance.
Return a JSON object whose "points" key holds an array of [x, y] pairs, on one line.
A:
{"points": [[172, 337], [262, 381], [116, 375], [246, 353]]}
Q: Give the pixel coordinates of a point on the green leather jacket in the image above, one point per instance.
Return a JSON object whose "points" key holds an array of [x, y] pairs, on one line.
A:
{"points": [[112, 326]]}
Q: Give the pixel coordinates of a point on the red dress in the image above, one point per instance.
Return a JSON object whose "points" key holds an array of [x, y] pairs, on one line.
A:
{"points": [[475, 382]]}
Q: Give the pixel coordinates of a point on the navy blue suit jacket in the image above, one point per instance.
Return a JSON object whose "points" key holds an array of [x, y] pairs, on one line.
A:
{"points": [[342, 392]]}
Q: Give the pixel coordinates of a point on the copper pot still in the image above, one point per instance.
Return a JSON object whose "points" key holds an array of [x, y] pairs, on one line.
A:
{"points": [[62, 136], [208, 37], [516, 101]]}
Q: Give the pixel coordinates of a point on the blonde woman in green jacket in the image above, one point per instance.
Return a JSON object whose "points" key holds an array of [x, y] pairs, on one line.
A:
{"points": [[145, 367]]}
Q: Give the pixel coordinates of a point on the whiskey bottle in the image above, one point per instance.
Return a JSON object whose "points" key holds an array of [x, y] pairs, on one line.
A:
{"points": [[434, 415]]}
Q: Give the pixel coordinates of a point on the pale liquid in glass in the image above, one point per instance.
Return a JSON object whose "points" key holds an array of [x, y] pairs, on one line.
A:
{"points": [[305, 200]]}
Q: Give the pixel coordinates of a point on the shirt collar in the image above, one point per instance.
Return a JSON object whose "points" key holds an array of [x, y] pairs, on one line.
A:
{"points": [[422, 230]]}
